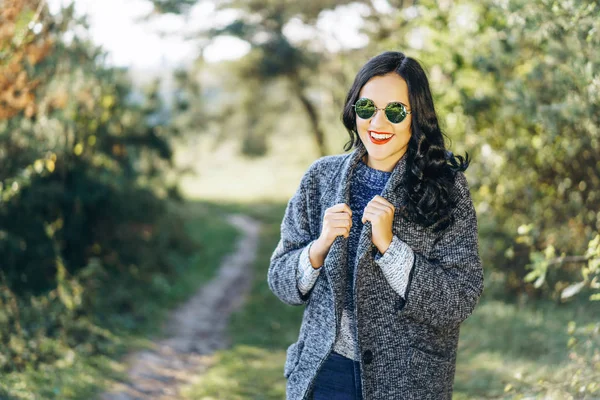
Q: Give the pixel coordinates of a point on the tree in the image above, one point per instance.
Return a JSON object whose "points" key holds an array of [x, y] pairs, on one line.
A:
{"points": [[273, 58], [74, 149]]}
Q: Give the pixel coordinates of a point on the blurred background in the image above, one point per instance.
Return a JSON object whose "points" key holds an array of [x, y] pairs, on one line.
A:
{"points": [[130, 129]]}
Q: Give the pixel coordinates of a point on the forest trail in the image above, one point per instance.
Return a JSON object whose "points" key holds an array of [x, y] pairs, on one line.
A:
{"points": [[196, 329]]}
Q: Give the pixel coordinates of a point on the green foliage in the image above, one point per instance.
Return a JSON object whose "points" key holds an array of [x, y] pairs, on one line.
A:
{"points": [[65, 344], [583, 350], [546, 143], [44, 329], [81, 171], [516, 84], [85, 229], [546, 263]]}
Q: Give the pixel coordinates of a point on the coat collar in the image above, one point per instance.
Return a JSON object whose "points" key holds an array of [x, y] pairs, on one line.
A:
{"points": [[339, 192], [340, 184]]}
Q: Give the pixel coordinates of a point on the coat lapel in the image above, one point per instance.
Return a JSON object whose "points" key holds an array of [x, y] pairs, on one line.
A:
{"points": [[339, 192]]}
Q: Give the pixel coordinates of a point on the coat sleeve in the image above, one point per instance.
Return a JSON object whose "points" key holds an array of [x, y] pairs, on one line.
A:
{"points": [[444, 289], [292, 249]]}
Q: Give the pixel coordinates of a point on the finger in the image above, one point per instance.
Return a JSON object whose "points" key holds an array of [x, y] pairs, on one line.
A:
{"points": [[340, 207], [367, 216], [379, 207], [339, 223], [347, 208], [338, 217], [371, 215], [341, 231], [382, 201]]}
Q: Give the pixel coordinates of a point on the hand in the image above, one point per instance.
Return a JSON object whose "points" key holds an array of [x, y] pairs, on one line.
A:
{"points": [[381, 214], [336, 221]]}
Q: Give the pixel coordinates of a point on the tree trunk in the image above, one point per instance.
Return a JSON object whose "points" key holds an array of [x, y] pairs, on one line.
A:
{"points": [[313, 117]]}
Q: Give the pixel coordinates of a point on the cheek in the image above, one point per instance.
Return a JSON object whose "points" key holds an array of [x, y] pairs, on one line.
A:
{"points": [[362, 126], [404, 129]]}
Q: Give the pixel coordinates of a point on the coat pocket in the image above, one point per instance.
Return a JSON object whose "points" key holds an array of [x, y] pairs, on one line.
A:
{"points": [[292, 357], [429, 374]]}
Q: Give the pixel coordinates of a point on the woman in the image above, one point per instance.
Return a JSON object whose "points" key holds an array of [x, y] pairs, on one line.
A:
{"points": [[380, 245]]}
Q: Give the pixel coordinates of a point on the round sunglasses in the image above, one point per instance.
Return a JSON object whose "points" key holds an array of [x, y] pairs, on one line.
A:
{"points": [[395, 111]]}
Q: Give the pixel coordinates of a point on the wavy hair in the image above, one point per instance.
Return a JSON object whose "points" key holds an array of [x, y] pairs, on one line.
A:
{"points": [[430, 168]]}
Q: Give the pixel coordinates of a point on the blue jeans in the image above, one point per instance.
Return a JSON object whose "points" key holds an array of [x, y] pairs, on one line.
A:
{"points": [[338, 379]]}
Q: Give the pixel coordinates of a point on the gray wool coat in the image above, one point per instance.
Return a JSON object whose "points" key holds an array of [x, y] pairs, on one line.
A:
{"points": [[407, 345]]}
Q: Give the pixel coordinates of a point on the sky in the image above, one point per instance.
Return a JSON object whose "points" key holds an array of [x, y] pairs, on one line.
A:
{"points": [[129, 42]]}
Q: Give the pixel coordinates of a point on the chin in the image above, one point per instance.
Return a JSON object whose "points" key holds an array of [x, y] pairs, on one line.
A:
{"points": [[378, 152]]}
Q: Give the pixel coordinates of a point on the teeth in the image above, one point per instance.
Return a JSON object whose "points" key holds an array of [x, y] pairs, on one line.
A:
{"points": [[380, 136]]}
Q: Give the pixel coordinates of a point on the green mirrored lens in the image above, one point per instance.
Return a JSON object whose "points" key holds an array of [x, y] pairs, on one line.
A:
{"points": [[395, 112], [365, 108]]}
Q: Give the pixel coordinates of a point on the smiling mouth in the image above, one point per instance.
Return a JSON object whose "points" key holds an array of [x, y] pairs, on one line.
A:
{"points": [[380, 137]]}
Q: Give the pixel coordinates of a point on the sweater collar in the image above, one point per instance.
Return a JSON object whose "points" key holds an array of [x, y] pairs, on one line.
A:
{"points": [[370, 177], [341, 182]]}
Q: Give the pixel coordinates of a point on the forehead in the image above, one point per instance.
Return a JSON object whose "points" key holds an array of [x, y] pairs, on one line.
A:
{"points": [[386, 88]]}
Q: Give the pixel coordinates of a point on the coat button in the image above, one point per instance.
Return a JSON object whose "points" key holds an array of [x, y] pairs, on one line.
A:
{"points": [[400, 304], [368, 357]]}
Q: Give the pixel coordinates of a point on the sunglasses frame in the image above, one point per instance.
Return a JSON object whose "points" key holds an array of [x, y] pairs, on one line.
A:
{"points": [[406, 111]]}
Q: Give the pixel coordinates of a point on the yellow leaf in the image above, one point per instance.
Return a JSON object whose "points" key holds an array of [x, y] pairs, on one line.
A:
{"points": [[50, 165]]}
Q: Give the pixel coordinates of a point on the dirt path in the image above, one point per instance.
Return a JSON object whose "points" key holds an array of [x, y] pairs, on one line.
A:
{"points": [[196, 329]]}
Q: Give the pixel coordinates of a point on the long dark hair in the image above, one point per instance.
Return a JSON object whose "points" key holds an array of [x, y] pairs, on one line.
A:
{"points": [[430, 167]]}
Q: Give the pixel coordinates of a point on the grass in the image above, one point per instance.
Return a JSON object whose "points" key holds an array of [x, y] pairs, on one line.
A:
{"points": [[81, 376], [507, 349]]}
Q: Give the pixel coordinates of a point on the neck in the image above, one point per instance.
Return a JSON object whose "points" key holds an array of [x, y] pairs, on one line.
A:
{"points": [[386, 165]]}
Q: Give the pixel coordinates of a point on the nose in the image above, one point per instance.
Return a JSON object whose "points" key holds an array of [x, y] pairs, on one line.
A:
{"points": [[378, 120]]}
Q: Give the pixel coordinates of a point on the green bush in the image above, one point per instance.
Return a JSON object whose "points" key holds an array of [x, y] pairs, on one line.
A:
{"points": [[83, 165], [516, 83], [84, 219]]}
